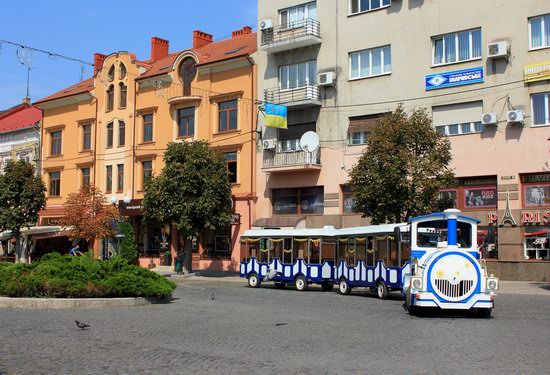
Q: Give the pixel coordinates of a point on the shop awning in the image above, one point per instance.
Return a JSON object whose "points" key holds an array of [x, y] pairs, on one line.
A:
{"points": [[539, 233], [34, 231], [43, 236]]}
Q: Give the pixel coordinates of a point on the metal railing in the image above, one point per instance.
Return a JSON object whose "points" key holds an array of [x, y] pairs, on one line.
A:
{"points": [[290, 31], [278, 95], [278, 158]]}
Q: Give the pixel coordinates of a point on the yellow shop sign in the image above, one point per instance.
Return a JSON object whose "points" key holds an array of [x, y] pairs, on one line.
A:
{"points": [[536, 72]]}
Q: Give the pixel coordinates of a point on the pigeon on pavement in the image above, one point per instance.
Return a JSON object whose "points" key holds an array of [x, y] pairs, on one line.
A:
{"points": [[81, 325]]}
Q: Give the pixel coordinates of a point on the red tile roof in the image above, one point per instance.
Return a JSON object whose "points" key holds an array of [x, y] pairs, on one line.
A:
{"points": [[227, 49], [20, 117]]}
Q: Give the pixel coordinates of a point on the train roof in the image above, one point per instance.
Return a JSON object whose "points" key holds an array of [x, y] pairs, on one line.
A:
{"points": [[327, 231]]}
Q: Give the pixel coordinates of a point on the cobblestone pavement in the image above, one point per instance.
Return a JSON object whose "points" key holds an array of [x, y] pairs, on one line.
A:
{"points": [[270, 331]]}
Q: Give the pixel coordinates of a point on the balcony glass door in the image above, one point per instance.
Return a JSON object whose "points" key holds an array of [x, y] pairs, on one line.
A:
{"points": [[297, 75], [294, 17]]}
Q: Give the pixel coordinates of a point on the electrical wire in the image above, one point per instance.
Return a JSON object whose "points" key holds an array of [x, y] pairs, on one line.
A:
{"points": [[51, 55]]}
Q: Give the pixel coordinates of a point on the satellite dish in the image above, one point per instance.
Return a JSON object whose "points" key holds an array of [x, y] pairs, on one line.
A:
{"points": [[309, 141]]}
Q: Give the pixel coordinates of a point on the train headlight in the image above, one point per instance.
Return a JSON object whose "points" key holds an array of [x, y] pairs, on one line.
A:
{"points": [[492, 284], [416, 283]]}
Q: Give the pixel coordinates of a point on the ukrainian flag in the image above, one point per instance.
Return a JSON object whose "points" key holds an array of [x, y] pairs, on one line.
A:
{"points": [[276, 115]]}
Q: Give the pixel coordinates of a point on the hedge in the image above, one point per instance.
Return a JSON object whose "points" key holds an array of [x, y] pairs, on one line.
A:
{"points": [[65, 276]]}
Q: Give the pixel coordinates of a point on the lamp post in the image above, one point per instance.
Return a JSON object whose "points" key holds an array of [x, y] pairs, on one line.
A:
{"points": [[119, 235]]}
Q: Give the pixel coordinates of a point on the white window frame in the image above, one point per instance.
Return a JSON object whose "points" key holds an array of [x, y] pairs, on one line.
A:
{"points": [[350, 7], [370, 63], [307, 83], [363, 138], [546, 109], [298, 23], [544, 26], [460, 132], [457, 52]]}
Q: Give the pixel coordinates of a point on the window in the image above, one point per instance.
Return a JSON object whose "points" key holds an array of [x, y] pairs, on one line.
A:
{"points": [[297, 16], [85, 176], [539, 32], [297, 75], [460, 118], [147, 170], [487, 241], [360, 128], [298, 201], [360, 6], [123, 92], [228, 116], [109, 179], [188, 72], [231, 165], [55, 143], [120, 178], [289, 139], [55, 184], [480, 197], [122, 71], [349, 205], [358, 138], [370, 62], [540, 108], [148, 128], [537, 243], [86, 137], [456, 47], [430, 233], [109, 135], [536, 195], [111, 73], [110, 97], [186, 122], [121, 133]]}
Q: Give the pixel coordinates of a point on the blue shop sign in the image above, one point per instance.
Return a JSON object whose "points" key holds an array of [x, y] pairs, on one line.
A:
{"points": [[455, 78]]}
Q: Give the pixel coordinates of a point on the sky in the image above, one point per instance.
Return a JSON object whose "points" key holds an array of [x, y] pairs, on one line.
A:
{"points": [[78, 29]]}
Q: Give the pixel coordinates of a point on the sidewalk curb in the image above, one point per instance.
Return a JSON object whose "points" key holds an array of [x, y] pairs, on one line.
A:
{"points": [[78, 303]]}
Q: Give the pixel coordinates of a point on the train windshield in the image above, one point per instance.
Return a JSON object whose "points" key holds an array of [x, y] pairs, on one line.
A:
{"points": [[434, 234]]}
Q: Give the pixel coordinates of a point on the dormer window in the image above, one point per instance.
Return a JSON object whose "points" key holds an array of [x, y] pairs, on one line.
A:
{"points": [[111, 73], [188, 71]]}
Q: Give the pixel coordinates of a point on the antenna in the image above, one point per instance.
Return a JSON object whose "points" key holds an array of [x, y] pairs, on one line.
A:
{"points": [[309, 141]]}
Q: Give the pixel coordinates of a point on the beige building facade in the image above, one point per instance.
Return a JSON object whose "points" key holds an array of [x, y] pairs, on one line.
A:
{"points": [[481, 69]]}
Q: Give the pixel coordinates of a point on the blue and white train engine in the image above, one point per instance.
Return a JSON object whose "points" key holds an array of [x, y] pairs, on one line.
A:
{"points": [[447, 270]]}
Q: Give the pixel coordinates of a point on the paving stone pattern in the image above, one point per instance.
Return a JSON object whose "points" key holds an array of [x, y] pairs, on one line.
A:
{"points": [[270, 331]]}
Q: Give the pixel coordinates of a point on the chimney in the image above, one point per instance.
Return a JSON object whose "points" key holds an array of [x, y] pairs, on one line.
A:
{"points": [[244, 31], [159, 48], [200, 38], [98, 62]]}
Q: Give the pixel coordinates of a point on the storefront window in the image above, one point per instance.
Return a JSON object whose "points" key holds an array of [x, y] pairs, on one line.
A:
{"points": [[217, 244], [487, 242], [480, 197], [298, 201], [537, 243], [536, 195]]}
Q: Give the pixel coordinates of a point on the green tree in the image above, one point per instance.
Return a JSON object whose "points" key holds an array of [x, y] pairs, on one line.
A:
{"points": [[193, 191], [22, 196], [400, 173], [128, 247]]}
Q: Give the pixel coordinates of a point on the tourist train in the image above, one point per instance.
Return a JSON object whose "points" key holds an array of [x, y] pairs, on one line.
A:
{"points": [[433, 261]]}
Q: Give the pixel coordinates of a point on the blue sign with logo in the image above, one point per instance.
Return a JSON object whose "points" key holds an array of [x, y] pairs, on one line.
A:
{"points": [[455, 78]]}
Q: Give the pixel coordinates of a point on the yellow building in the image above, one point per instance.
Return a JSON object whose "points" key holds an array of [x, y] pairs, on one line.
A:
{"points": [[112, 129]]}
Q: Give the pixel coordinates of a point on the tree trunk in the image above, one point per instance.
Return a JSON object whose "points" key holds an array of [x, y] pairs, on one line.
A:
{"points": [[20, 251]]}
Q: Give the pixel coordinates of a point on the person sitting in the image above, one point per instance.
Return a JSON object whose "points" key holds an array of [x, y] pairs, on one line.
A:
{"points": [[75, 251]]}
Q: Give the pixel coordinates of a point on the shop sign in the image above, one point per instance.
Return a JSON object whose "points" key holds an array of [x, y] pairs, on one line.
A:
{"points": [[543, 177], [480, 197], [454, 78], [235, 219], [53, 221], [134, 208], [536, 72], [527, 217], [507, 177]]}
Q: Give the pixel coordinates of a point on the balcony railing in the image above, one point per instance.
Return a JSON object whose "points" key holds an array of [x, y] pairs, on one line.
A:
{"points": [[300, 96], [291, 35], [276, 158]]}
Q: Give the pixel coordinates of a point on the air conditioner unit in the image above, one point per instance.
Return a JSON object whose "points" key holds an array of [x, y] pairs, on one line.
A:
{"points": [[269, 144], [326, 79], [266, 24], [489, 118], [515, 116], [498, 49]]}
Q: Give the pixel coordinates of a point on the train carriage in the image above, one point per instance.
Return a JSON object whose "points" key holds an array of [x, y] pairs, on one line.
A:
{"points": [[375, 257], [446, 266], [289, 256]]}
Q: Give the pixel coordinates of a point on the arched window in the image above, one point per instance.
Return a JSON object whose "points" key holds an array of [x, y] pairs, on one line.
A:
{"points": [[122, 71], [111, 73], [188, 71], [123, 89], [110, 97]]}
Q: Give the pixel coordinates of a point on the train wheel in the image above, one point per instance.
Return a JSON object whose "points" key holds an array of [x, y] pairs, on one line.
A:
{"points": [[279, 285], [408, 305], [300, 283], [484, 313], [327, 286], [343, 287], [254, 281], [382, 290]]}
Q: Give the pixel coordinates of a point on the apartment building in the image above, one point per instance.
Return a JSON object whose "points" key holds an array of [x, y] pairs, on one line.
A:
{"points": [[112, 129], [481, 69]]}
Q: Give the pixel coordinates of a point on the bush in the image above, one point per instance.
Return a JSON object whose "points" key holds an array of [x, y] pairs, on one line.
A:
{"points": [[78, 277]]}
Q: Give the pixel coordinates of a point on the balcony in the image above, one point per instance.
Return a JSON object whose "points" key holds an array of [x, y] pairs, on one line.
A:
{"points": [[290, 36], [291, 161], [306, 96]]}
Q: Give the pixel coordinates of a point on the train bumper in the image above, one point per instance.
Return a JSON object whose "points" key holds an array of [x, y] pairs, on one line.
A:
{"points": [[427, 299]]}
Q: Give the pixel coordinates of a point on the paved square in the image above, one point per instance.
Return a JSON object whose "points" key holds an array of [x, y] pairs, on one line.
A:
{"points": [[270, 331]]}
